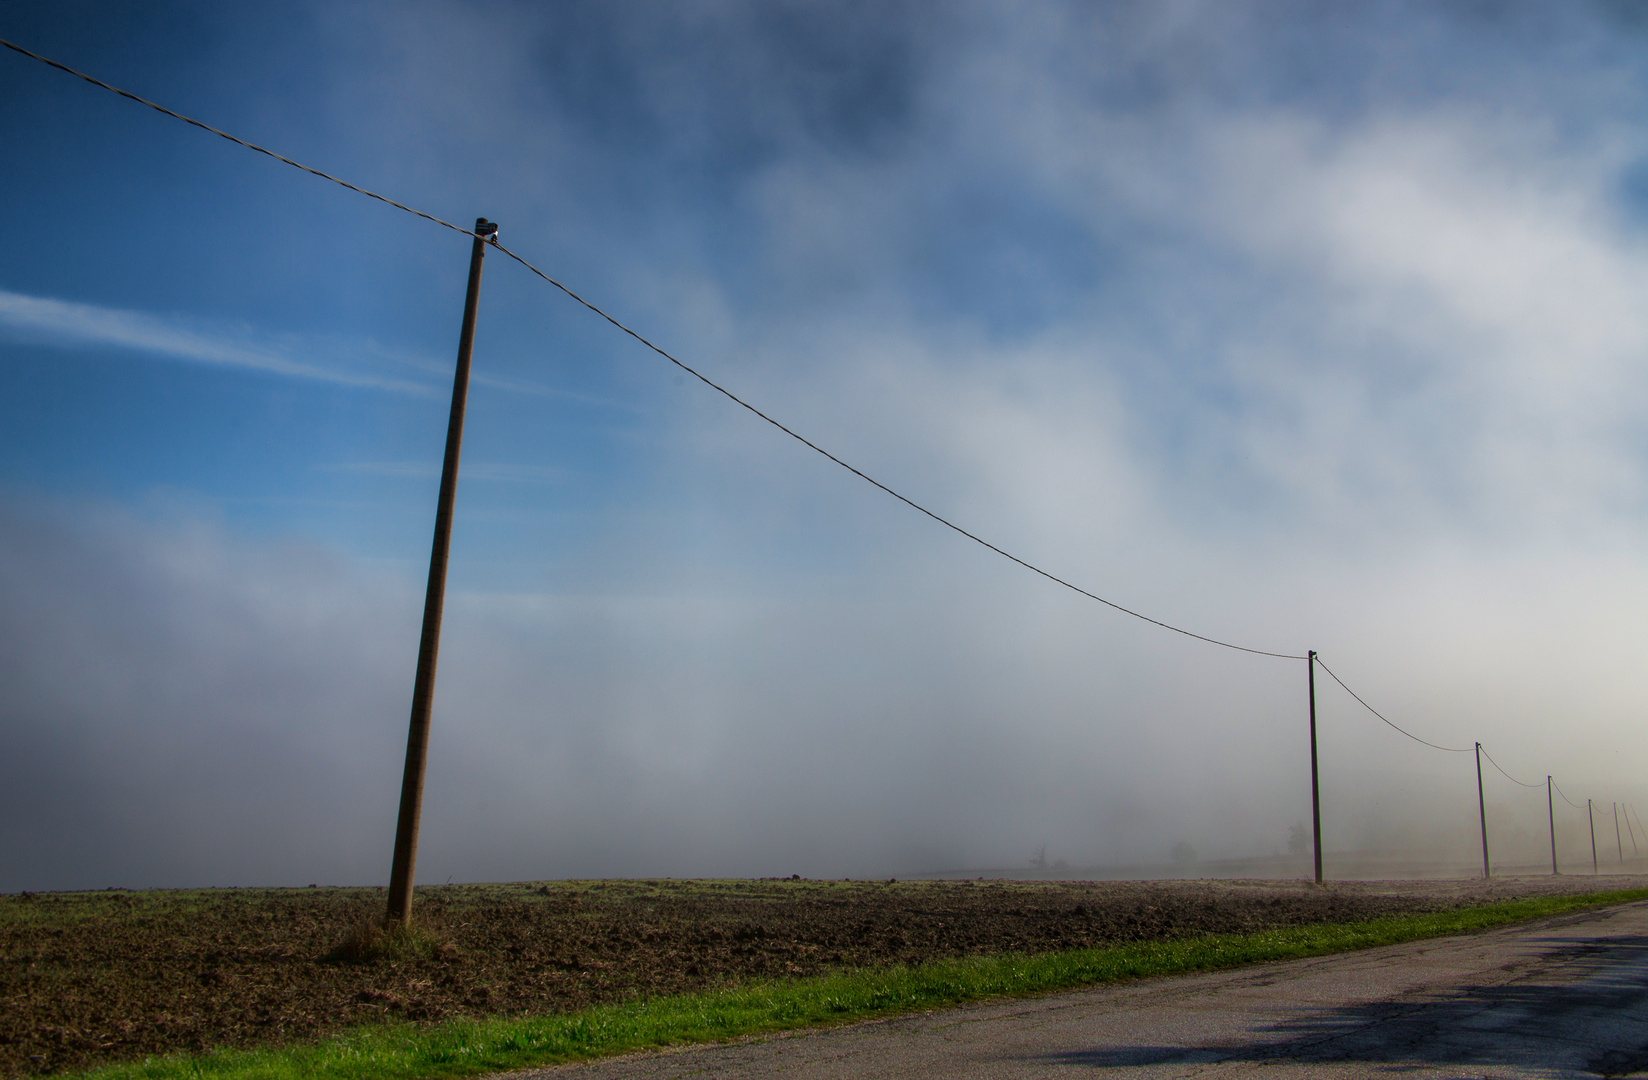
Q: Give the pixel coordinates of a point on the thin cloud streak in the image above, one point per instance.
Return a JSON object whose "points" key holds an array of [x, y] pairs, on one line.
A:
{"points": [[71, 324]]}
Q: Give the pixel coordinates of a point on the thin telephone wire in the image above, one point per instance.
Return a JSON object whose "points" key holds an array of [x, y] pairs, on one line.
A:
{"points": [[225, 135], [1380, 715], [803, 440], [1502, 772], [638, 337]]}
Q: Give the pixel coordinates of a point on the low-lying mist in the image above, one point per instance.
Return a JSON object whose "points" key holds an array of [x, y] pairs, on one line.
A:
{"points": [[188, 707]]}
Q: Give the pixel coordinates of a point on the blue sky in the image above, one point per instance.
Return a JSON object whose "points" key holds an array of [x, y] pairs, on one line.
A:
{"points": [[1297, 326]]}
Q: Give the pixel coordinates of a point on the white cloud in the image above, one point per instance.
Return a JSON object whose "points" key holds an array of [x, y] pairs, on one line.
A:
{"points": [[1480, 325]]}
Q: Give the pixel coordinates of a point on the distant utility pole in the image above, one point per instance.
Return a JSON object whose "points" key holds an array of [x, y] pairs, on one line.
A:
{"points": [[1617, 841], [1590, 815], [1482, 811], [1315, 787], [1550, 810], [423, 685]]}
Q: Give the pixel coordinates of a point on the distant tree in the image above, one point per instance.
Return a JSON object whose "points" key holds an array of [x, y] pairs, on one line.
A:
{"points": [[1038, 861], [1298, 839], [1183, 853]]}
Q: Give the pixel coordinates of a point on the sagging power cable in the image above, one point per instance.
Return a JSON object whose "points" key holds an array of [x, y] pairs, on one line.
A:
{"points": [[947, 523], [1382, 716], [1505, 774], [1565, 798], [661, 352], [225, 135]]}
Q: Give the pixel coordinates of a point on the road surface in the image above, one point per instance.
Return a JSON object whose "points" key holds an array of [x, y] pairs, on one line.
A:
{"points": [[1563, 997]]}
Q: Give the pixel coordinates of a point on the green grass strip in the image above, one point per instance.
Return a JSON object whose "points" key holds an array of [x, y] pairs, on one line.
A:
{"points": [[464, 1048]]}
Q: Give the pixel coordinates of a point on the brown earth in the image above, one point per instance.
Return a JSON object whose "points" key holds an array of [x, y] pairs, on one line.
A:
{"points": [[94, 978]]}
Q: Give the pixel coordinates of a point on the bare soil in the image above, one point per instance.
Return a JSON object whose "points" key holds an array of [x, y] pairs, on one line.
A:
{"points": [[94, 978]]}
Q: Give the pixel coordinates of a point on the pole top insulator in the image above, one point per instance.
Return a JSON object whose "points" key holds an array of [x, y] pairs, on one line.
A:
{"points": [[486, 230]]}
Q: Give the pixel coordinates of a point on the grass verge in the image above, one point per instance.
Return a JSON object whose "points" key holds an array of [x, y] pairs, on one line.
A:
{"points": [[467, 1048]]}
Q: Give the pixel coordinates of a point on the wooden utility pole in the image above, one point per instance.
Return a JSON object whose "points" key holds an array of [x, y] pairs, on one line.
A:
{"points": [[423, 685], [1590, 815], [1482, 811], [1619, 843], [1315, 787], [1550, 810]]}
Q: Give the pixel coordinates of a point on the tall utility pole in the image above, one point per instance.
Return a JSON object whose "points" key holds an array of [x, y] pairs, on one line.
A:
{"points": [[1617, 841], [423, 685], [1550, 810], [1315, 787], [1482, 811], [1590, 815]]}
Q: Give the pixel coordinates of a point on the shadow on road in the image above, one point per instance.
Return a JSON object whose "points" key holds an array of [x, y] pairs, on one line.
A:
{"points": [[1585, 1007]]}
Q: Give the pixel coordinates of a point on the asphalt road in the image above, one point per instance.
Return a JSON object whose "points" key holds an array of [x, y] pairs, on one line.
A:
{"points": [[1565, 997]]}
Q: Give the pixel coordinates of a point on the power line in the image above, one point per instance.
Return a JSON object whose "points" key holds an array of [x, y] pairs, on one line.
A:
{"points": [[1565, 798], [225, 135], [1508, 775], [1380, 715], [638, 337], [803, 440]]}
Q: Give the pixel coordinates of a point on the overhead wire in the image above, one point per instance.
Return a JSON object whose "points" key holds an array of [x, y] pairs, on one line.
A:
{"points": [[1382, 716], [803, 440], [49, 62], [655, 348], [1502, 772], [1565, 798]]}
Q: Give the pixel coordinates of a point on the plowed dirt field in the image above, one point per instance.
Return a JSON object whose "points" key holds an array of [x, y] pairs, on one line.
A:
{"points": [[92, 978]]}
